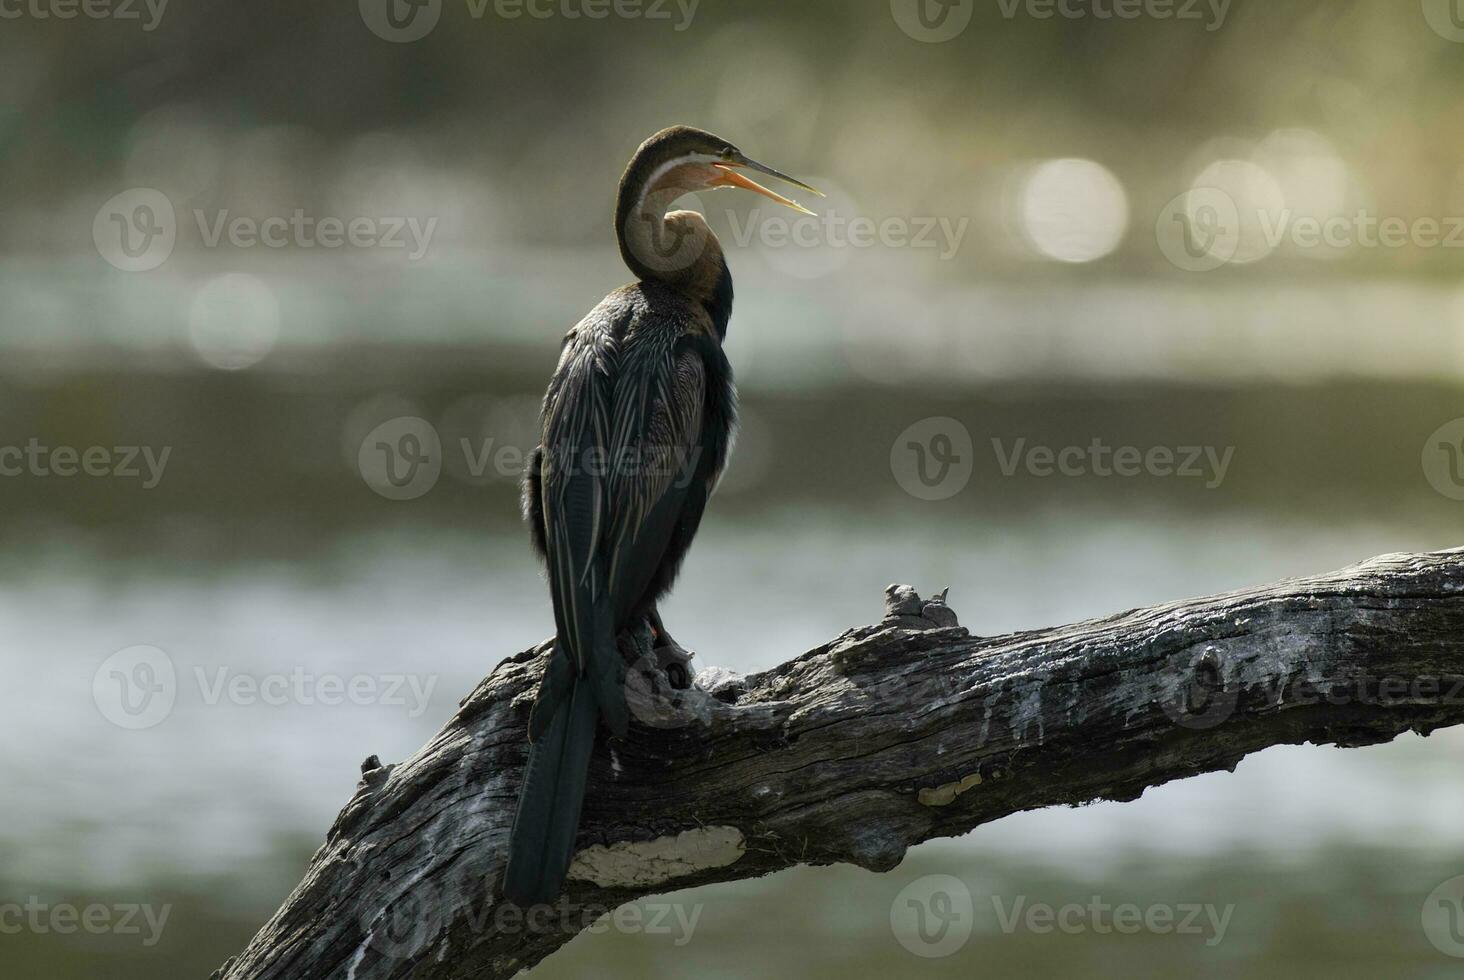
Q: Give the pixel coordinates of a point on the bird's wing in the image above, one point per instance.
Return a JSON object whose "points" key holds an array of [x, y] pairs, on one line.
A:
{"points": [[576, 426], [656, 431], [621, 444]]}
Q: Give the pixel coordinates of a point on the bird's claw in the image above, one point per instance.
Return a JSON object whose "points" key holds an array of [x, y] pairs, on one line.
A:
{"points": [[675, 661], [658, 685]]}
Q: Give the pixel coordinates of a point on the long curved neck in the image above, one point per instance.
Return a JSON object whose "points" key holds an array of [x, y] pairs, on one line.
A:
{"points": [[675, 248]]}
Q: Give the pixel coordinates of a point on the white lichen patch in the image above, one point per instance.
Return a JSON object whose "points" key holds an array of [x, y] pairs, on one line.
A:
{"points": [[645, 863], [710, 678], [945, 795]]}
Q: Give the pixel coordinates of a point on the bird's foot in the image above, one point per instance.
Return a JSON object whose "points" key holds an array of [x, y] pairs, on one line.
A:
{"points": [[658, 685], [675, 661]]}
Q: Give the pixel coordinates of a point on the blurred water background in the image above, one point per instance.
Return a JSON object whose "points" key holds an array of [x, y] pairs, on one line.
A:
{"points": [[1040, 156]]}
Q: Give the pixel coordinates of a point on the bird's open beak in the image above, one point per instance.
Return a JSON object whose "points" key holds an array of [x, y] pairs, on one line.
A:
{"points": [[731, 178]]}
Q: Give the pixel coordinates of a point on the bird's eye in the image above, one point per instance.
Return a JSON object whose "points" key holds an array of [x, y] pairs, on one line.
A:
{"points": [[727, 153]]}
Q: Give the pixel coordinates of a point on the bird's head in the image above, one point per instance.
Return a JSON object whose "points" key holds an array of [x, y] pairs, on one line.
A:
{"points": [[681, 160], [678, 246]]}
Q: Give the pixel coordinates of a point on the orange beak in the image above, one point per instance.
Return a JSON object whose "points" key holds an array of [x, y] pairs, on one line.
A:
{"points": [[731, 178]]}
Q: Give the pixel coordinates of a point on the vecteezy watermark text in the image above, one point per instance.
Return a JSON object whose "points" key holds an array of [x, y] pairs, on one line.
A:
{"points": [[404, 21], [1101, 460], [1204, 690], [117, 462], [934, 460], [935, 21], [1123, 918], [1362, 229], [137, 230], [95, 918], [136, 688], [123, 10], [402, 459], [1213, 12], [832, 229], [682, 11], [1204, 228], [300, 230], [649, 918], [416, 917], [935, 915], [305, 688]]}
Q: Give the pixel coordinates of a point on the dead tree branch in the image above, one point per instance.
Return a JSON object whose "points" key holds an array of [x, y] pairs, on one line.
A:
{"points": [[888, 736]]}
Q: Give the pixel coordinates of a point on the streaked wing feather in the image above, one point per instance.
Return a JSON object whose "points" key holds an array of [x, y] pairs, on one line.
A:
{"points": [[576, 422], [657, 430]]}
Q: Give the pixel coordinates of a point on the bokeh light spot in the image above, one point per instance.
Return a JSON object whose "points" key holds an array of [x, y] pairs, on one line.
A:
{"points": [[1074, 210]]}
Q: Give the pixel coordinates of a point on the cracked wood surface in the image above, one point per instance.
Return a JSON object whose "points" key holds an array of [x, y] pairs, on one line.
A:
{"points": [[887, 736]]}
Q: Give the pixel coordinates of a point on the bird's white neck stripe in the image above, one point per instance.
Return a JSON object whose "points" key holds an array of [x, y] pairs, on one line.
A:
{"points": [[665, 168]]}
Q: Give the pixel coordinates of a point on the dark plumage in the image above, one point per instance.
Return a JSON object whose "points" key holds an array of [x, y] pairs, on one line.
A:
{"points": [[637, 424]]}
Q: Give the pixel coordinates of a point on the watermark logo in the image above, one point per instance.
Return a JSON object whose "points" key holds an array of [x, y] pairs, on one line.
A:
{"points": [[135, 231], [1443, 917], [1199, 690], [667, 246], [670, 244], [1199, 230], [932, 21], [410, 922], [135, 688], [933, 916], [1443, 459], [401, 459], [401, 21], [1446, 17], [933, 459]]}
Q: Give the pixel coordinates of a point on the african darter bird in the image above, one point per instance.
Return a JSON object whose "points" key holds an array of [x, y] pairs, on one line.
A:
{"points": [[636, 427]]}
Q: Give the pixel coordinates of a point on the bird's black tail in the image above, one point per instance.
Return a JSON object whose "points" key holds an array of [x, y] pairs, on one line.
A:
{"points": [[547, 820], [583, 683]]}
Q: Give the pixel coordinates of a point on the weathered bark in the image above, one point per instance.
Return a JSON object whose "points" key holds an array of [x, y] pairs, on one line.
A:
{"points": [[888, 736]]}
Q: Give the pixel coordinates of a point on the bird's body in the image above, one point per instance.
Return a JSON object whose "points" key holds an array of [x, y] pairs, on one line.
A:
{"points": [[637, 425], [636, 428]]}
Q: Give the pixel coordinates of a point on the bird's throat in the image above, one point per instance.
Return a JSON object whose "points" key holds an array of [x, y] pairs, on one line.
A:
{"points": [[679, 250]]}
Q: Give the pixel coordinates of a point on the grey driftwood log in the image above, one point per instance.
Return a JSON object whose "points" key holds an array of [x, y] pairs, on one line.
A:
{"points": [[890, 735]]}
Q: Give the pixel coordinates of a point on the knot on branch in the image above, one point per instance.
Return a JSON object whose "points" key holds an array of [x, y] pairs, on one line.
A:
{"points": [[373, 774], [373, 777], [904, 607]]}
